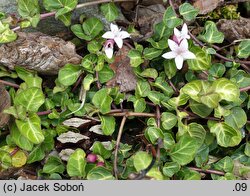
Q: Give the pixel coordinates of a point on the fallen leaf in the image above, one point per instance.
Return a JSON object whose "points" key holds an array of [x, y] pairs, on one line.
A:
{"points": [[75, 122], [71, 137], [235, 29], [37, 51], [124, 78], [96, 129], [206, 6], [5, 102], [148, 17], [65, 153]]}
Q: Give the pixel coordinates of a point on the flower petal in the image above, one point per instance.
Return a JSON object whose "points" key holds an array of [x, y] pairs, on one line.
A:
{"points": [[188, 55], [184, 45], [179, 61], [184, 30], [172, 45], [114, 28], [118, 41], [124, 34], [177, 33], [109, 52], [169, 55], [108, 35]]}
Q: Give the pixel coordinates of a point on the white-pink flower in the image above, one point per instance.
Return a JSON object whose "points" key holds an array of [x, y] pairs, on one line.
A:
{"points": [[109, 48], [116, 34], [179, 52], [181, 35]]}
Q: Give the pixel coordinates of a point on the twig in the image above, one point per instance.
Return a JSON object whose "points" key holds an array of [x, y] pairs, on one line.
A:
{"points": [[159, 142], [49, 14], [245, 89], [219, 55], [9, 84], [44, 113], [117, 145], [208, 171], [132, 114], [173, 87], [79, 80]]}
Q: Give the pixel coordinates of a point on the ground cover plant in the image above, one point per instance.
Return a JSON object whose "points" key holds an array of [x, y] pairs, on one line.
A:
{"points": [[154, 96]]}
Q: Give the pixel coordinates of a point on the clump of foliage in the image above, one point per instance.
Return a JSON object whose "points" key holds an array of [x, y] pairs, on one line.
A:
{"points": [[179, 124]]}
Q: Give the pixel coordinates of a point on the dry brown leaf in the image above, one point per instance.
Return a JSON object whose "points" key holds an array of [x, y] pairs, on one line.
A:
{"points": [[148, 17], [37, 51], [206, 6], [235, 29], [5, 102], [71, 137], [124, 75], [75, 122]]}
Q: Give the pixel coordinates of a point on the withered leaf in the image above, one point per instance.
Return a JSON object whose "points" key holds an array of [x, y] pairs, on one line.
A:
{"points": [[124, 78], [65, 153], [71, 137], [5, 102], [75, 122], [37, 51], [96, 129], [206, 6]]}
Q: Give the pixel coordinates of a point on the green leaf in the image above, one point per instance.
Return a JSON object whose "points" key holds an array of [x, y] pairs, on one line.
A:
{"points": [[170, 168], [217, 70], [160, 45], [151, 53], [106, 74], [100, 173], [226, 136], [110, 11], [187, 174], [201, 62], [99, 149], [102, 100], [31, 128], [161, 31], [142, 88], [156, 97], [237, 119], [53, 165], [198, 132], [184, 151], [188, 11], [92, 27], [202, 156], [170, 18], [153, 134], [135, 57], [29, 9], [77, 163], [108, 124], [37, 154], [6, 35], [244, 49], [31, 99], [149, 73], [5, 159], [199, 108], [89, 61], [21, 141], [161, 84], [87, 81], [94, 46], [226, 164], [169, 68], [210, 99], [192, 89], [69, 74], [168, 120], [168, 141], [66, 19], [211, 34], [226, 89], [139, 104], [78, 31], [142, 160], [60, 6], [247, 149]]}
